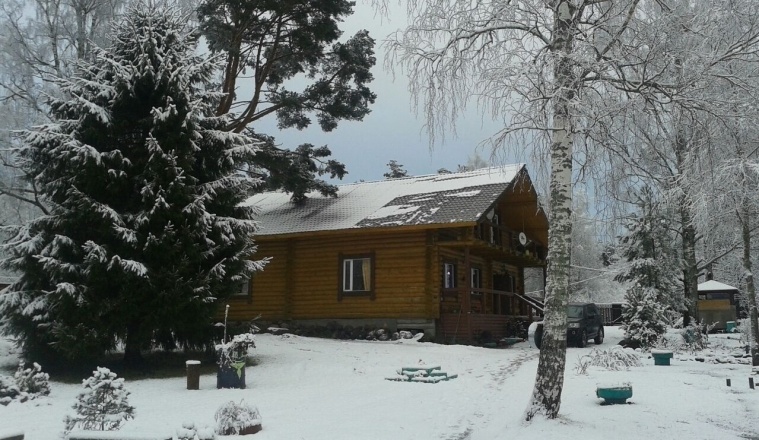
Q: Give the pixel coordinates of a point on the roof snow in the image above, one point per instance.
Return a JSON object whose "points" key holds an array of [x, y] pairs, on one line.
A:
{"points": [[431, 199], [714, 286]]}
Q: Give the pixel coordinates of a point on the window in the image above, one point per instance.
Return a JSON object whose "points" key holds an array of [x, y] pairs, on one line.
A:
{"points": [[476, 277], [356, 274], [243, 289], [495, 231], [449, 275]]}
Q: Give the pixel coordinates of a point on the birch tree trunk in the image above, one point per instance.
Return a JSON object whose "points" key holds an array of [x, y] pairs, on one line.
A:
{"points": [[679, 182], [546, 395], [745, 219]]}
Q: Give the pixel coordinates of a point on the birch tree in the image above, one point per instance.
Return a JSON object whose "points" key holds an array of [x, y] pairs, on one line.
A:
{"points": [[40, 40], [670, 141], [562, 70], [539, 65], [736, 186]]}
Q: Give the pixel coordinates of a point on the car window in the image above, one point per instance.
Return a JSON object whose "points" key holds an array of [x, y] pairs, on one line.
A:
{"points": [[574, 312]]}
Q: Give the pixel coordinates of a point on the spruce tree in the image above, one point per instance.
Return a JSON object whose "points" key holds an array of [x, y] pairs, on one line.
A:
{"points": [[652, 270], [103, 404], [146, 231]]}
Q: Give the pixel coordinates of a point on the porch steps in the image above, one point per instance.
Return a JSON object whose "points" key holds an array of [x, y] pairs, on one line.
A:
{"points": [[423, 374]]}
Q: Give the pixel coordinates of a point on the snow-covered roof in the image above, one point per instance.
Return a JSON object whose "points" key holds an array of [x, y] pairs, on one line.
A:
{"points": [[714, 286], [432, 199]]}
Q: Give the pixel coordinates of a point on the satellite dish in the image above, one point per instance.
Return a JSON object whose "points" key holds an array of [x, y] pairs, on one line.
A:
{"points": [[522, 238], [490, 214]]}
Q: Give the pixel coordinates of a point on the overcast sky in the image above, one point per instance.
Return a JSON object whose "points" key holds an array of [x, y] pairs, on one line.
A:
{"points": [[391, 130]]}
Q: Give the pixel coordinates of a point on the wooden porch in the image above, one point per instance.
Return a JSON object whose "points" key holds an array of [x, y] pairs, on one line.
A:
{"points": [[483, 314]]}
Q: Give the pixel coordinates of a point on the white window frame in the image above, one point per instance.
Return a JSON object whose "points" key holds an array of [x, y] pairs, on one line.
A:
{"points": [[348, 269]]}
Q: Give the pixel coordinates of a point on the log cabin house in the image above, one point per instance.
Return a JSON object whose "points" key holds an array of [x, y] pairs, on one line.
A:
{"points": [[441, 253]]}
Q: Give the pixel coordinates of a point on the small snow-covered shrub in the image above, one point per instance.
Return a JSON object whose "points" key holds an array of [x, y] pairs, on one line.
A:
{"points": [[644, 317], [234, 418], [191, 431], [583, 362], [32, 380], [25, 384], [696, 335], [103, 405], [615, 358]]}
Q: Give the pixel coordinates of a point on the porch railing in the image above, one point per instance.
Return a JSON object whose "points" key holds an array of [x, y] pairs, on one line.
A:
{"points": [[498, 300]]}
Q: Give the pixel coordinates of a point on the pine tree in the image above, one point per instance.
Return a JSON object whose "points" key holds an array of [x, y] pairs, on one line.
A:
{"points": [[652, 271], [286, 54], [396, 171], [146, 232], [643, 316], [103, 404]]}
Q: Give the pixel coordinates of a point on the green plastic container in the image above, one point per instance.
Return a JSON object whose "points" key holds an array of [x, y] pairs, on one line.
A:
{"points": [[615, 395], [730, 327], [661, 357]]}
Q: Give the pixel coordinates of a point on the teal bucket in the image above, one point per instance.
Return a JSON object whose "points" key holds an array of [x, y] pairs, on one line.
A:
{"points": [[730, 327]]}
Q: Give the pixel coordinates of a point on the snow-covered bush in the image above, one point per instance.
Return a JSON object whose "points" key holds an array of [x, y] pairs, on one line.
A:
{"points": [[615, 358], [236, 350], [583, 362], [103, 404], [32, 380], [191, 431], [234, 418], [696, 335], [25, 384], [644, 317]]}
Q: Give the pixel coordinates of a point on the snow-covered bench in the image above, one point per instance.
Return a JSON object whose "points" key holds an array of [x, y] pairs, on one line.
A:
{"points": [[11, 435]]}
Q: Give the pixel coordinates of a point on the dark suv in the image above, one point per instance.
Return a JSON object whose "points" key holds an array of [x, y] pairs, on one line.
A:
{"points": [[583, 322]]}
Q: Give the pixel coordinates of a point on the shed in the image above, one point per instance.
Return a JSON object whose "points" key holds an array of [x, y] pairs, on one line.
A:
{"points": [[718, 302]]}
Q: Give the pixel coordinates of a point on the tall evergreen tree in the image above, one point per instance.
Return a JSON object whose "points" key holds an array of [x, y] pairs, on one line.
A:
{"points": [[652, 269], [146, 232]]}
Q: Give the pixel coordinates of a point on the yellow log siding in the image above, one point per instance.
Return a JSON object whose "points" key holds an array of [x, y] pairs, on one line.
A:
{"points": [[303, 277]]}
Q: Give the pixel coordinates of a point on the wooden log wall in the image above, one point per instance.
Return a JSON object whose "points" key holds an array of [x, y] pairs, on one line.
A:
{"points": [[303, 277]]}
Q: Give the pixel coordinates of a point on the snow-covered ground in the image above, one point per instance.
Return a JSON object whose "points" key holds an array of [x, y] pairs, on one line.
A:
{"points": [[308, 388]]}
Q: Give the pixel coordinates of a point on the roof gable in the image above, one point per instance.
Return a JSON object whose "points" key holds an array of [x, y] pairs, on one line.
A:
{"points": [[714, 286], [432, 199]]}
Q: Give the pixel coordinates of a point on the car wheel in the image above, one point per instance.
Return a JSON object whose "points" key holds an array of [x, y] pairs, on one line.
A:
{"points": [[600, 336], [583, 341]]}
